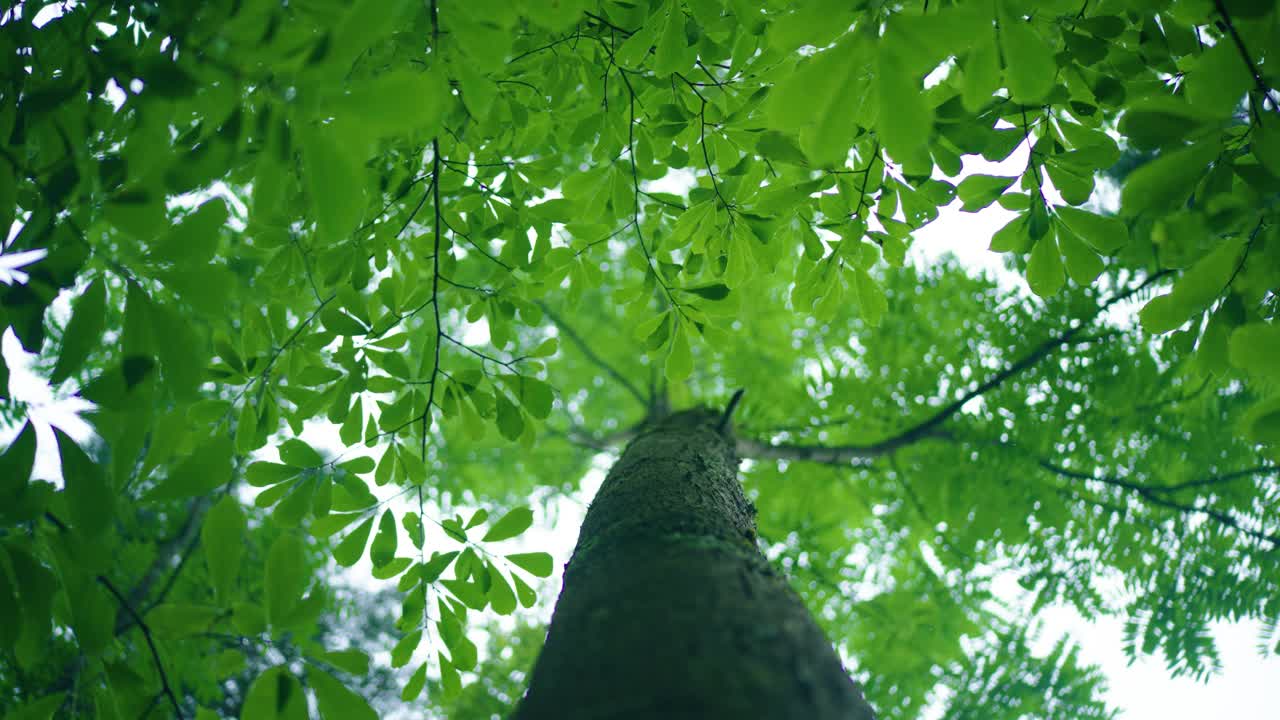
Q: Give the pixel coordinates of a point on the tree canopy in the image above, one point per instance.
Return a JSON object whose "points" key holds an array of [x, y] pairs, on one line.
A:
{"points": [[478, 242]]}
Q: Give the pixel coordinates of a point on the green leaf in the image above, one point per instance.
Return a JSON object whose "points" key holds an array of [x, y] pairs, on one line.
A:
{"points": [[275, 695], [510, 422], [332, 523], [534, 394], [1266, 142], [249, 618], [438, 563], [398, 102], [417, 682], [404, 649], [295, 504], [83, 332], [510, 525], [299, 454], [247, 429], [42, 709], [714, 291], [89, 496], [477, 518], [979, 191], [872, 303], [16, 464], [906, 117], [193, 241], [1162, 183], [413, 527], [351, 660], [177, 621], [535, 563], [672, 52], [528, 598], [679, 363], [1044, 268], [1028, 61], [453, 528], [1255, 347], [823, 100], [1083, 264], [1200, 285], [383, 548], [450, 680], [391, 568], [340, 323], [1218, 81], [348, 552], [287, 574], [360, 465], [981, 74], [322, 498], [1261, 423], [223, 538], [1013, 237], [1103, 233], [688, 224], [335, 182], [93, 612], [335, 701], [741, 265], [779, 147], [262, 474], [204, 470], [633, 51], [501, 597]]}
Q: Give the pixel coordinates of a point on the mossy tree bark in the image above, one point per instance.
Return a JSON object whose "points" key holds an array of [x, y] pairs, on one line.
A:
{"points": [[668, 608]]}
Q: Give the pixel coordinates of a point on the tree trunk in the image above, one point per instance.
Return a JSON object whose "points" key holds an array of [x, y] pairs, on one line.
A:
{"points": [[668, 608]]}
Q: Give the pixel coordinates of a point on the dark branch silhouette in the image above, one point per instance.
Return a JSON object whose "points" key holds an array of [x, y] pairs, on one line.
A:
{"points": [[146, 633], [1155, 496], [932, 426]]}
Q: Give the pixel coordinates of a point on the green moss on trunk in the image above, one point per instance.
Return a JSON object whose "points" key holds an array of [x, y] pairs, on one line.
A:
{"points": [[668, 608]]}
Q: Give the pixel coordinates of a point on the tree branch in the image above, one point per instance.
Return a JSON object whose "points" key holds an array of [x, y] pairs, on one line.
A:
{"points": [[1221, 478], [835, 454], [932, 426], [184, 540], [1258, 81], [591, 354], [599, 443], [151, 643], [1154, 496]]}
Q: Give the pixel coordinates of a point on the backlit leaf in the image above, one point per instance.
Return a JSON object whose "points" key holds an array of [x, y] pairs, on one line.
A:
{"points": [[510, 525], [223, 536]]}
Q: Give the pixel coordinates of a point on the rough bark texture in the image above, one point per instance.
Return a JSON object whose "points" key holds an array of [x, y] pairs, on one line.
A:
{"points": [[668, 608]]}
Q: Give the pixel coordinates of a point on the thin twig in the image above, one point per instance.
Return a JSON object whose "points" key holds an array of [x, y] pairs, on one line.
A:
{"points": [[932, 426], [591, 354], [146, 633]]}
